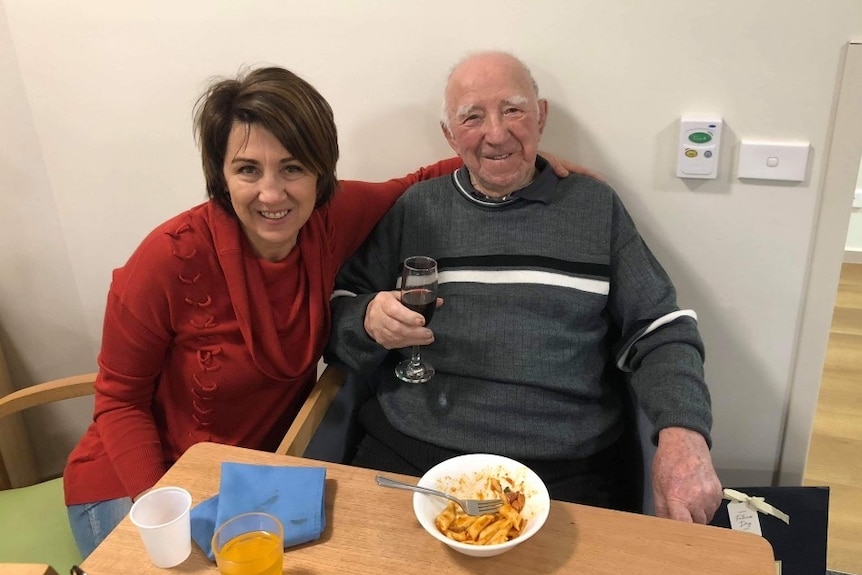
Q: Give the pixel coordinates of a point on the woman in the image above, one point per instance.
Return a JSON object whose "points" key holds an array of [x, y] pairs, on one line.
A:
{"points": [[214, 326]]}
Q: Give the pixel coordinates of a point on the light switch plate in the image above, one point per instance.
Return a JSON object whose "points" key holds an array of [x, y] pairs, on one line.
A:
{"points": [[786, 161]]}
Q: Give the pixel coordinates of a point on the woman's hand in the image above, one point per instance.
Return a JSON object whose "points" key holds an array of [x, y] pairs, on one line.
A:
{"points": [[563, 168]]}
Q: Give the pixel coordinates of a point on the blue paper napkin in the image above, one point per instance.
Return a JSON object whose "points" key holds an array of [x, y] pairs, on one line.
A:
{"points": [[293, 494]]}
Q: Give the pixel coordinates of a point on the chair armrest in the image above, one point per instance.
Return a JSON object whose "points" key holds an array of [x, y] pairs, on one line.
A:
{"points": [[41, 394], [48, 392], [311, 414]]}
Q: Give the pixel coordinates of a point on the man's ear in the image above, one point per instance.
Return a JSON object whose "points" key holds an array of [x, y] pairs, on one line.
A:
{"points": [[448, 135], [543, 114]]}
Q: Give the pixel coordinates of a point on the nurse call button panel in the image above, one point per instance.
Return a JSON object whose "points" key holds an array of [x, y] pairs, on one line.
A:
{"points": [[699, 143]]}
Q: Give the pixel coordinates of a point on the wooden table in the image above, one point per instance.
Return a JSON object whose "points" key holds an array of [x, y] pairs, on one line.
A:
{"points": [[372, 530]]}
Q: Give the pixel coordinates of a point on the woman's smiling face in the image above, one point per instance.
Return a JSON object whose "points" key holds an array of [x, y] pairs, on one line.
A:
{"points": [[272, 193]]}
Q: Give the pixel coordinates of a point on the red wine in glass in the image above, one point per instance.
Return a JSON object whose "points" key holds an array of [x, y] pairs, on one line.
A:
{"points": [[421, 300], [418, 293]]}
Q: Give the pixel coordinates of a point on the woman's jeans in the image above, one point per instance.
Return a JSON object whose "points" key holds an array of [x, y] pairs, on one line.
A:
{"points": [[91, 522]]}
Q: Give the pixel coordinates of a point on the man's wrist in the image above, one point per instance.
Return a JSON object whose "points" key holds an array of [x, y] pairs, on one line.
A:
{"points": [[677, 434]]}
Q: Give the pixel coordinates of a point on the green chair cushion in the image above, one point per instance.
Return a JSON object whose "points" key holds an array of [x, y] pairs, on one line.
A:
{"points": [[36, 527]]}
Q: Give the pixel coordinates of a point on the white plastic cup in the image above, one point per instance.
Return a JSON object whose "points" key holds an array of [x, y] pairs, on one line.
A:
{"points": [[162, 518]]}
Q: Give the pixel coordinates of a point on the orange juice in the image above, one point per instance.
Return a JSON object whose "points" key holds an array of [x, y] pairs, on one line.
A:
{"points": [[252, 553]]}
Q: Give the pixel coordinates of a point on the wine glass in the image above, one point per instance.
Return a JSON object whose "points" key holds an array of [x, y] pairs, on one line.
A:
{"points": [[419, 293]]}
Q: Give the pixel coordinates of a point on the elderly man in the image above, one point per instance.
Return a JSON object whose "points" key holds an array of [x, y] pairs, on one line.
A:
{"points": [[549, 296]]}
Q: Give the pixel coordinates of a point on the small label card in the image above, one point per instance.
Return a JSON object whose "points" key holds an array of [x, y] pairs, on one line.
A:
{"points": [[743, 518]]}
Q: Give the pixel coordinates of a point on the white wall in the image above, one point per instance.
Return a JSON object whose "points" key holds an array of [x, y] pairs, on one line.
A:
{"points": [[41, 317], [100, 126], [853, 247]]}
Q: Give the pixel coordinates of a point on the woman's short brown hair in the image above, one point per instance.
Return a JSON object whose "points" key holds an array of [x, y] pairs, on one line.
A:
{"points": [[282, 103]]}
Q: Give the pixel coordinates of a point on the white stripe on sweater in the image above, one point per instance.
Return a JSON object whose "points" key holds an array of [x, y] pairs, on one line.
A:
{"points": [[663, 320], [341, 293], [535, 277]]}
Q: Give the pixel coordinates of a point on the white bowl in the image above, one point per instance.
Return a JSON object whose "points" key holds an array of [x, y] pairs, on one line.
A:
{"points": [[461, 476]]}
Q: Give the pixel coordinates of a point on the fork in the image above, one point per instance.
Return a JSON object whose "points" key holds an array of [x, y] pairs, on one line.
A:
{"points": [[470, 506]]}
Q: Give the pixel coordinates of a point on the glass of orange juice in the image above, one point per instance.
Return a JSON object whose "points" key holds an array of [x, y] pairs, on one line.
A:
{"points": [[249, 544]]}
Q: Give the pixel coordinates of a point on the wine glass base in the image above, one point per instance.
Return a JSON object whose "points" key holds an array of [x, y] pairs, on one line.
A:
{"points": [[406, 371]]}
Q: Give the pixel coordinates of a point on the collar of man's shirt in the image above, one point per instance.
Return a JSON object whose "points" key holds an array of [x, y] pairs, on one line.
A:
{"points": [[541, 189]]}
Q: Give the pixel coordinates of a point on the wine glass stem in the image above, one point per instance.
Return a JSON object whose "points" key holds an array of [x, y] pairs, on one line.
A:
{"points": [[415, 360]]}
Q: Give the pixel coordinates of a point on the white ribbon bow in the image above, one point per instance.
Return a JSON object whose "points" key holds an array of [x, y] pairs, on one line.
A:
{"points": [[756, 503]]}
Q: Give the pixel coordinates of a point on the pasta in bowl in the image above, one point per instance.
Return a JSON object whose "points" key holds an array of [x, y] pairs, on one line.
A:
{"points": [[483, 476]]}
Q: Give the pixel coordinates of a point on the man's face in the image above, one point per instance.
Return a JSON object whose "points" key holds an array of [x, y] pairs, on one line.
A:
{"points": [[495, 122]]}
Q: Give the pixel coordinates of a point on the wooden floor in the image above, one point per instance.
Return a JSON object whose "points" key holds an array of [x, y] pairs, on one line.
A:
{"points": [[835, 454]]}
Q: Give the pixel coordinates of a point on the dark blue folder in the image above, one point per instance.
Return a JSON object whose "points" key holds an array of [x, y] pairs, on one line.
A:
{"points": [[801, 545]]}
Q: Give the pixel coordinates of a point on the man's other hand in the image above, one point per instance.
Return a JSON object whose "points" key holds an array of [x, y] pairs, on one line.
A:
{"points": [[685, 485]]}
